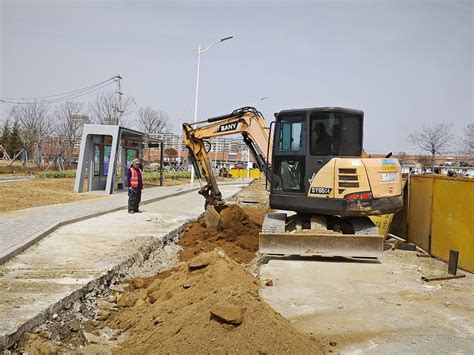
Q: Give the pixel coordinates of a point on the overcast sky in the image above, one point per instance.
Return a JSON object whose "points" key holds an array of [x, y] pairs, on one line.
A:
{"points": [[404, 63]]}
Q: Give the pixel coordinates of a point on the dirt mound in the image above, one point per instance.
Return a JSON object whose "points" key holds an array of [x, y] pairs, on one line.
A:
{"points": [[208, 305], [237, 235]]}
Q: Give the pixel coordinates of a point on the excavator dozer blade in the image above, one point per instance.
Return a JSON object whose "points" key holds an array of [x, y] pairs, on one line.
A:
{"points": [[307, 244]]}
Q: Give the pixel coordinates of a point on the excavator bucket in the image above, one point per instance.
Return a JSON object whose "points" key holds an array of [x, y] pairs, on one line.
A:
{"points": [[212, 217]]}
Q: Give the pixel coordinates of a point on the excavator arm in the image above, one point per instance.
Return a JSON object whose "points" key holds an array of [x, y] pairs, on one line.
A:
{"points": [[247, 121]]}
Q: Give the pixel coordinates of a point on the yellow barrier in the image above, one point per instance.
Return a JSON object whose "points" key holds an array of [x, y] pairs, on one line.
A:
{"points": [[244, 173], [441, 217], [419, 210], [382, 222], [452, 222]]}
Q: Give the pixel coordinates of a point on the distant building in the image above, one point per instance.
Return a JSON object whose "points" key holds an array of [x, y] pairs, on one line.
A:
{"points": [[218, 144]]}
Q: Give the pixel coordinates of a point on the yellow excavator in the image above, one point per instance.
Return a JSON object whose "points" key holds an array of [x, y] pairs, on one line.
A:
{"points": [[324, 190]]}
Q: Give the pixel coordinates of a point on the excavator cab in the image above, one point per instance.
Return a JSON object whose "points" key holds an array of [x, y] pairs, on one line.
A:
{"points": [[318, 166]]}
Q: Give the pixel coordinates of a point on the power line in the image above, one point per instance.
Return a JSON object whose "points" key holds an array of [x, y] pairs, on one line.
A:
{"points": [[63, 96]]}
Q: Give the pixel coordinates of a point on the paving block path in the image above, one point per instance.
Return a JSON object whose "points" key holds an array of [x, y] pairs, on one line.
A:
{"points": [[21, 229]]}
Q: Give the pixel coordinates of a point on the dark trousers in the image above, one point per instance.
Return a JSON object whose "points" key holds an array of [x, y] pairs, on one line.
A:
{"points": [[134, 198]]}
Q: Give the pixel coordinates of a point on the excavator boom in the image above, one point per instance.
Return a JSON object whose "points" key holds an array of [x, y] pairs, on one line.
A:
{"points": [[246, 121]]}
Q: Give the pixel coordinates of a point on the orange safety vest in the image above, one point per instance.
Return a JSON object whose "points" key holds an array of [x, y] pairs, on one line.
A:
{"points": [[134, 177]]}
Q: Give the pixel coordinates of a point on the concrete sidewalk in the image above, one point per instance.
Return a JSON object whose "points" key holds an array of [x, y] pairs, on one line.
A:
{"points": [[21, 229], [81, 257]]}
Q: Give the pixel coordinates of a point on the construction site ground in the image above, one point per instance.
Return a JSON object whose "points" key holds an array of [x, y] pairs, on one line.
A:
{"points": [[198, 293], [81, 256]]}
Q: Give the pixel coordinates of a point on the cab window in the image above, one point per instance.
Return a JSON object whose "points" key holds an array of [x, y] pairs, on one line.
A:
{"points": [[290, 136], [335, 134]]}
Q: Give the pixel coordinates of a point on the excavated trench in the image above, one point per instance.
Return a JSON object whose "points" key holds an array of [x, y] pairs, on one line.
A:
{"points": [[195, 294]]}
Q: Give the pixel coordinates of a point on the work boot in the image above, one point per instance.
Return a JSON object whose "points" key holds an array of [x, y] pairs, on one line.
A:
{"points": [[137, 211], [131, 212]]}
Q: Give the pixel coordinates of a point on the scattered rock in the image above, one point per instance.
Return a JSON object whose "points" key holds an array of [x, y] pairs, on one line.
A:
{"points": [[228, 327], [74, 326], [92, 338], [138, 282], [120, 288], [228, 313], [332, 343], [186, 286], [153, 297], [103, 315], [269, 282], [55, 315], [106, 305], [154, 286], [128, 301], [106, 333], [111, 298], [140, 302], [199, 262]]}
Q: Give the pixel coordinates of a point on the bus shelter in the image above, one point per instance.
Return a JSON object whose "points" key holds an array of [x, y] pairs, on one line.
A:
{"points": [[107, 149]]}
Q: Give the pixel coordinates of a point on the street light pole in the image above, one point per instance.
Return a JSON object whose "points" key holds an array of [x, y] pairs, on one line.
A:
{"points": [[200, 50]]}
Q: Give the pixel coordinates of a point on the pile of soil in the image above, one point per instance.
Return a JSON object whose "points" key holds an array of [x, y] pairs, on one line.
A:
{"points": [[208, 305], [237, 236]]}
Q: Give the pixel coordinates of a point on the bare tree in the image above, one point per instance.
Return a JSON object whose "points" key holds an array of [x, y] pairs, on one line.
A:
{"points": [[152, 121], [106, 109], [433, 139], [69, 121], [402, 158], [34, 124], [424, 161], [468, 141]]}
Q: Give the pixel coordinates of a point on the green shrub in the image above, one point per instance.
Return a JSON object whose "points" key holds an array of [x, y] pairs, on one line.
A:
{"points": [[155, 175], [56, 174]]}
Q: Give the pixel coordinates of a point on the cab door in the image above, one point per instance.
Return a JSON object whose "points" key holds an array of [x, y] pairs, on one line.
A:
{"points": [[288, 166]]}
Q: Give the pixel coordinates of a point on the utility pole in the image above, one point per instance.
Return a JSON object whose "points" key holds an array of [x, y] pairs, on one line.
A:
{"points": [[180, 139], [119, 93], [200, 51]]}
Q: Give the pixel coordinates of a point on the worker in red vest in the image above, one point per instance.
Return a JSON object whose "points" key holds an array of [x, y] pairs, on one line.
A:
{"points": [[135, 186]]}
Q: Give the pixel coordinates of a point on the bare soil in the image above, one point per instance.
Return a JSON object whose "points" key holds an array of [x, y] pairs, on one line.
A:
{"points": [[174, 314], [237, 236], [17, 195]]}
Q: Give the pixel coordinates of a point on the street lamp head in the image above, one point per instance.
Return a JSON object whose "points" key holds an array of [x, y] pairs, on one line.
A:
{"points": [[226, 38]]}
